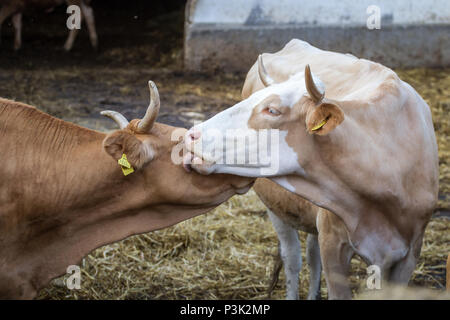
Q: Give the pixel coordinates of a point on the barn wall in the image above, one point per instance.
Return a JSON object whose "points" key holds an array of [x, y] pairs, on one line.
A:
{"points": [[229, 34]]}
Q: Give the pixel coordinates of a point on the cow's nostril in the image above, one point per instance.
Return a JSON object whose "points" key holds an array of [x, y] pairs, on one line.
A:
{"points": [[194, 135]]}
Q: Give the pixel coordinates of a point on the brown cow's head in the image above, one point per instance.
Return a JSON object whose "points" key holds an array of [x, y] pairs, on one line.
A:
{"points": [[155, 152]]}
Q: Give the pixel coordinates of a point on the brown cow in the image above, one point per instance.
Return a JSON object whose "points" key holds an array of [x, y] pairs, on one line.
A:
{"points": [[15, 8], [63, 193]]}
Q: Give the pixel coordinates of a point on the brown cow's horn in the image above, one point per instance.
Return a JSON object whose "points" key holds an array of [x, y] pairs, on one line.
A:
{"points": [[117, 117], [314, 92], [146, 123], [263, 75]]}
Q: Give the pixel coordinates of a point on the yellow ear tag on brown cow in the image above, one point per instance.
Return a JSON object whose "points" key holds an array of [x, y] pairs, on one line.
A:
{"points": [[125, 165], [320, 125], [124, 161], [127, 171]]}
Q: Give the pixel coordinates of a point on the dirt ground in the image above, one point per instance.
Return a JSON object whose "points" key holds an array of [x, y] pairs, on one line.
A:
{"points": [[227, 253]]}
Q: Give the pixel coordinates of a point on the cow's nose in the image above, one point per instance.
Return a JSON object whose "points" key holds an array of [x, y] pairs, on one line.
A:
{"points": [[193, 135]]}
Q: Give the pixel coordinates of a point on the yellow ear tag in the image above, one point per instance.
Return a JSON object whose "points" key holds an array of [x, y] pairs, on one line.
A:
{"points": [[124, 161], [125, 165], [320, 125], [127, 171]]}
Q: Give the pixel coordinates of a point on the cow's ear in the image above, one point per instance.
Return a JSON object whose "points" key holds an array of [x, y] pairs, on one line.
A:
{"points": [[122, 142], [323, 118]]}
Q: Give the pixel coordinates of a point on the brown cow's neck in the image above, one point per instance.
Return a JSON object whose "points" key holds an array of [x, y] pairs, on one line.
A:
{"points": [[56, 165], [62, 196]]}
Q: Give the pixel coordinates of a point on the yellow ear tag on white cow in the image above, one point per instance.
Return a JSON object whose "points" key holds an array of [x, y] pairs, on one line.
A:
{"points": [[125, 165], [320, 125]]}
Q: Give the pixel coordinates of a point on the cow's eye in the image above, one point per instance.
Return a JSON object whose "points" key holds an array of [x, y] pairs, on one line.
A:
{"points": [[272, 111]]}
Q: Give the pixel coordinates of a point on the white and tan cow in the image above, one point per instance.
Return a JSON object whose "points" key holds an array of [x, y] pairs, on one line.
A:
{"points": [[15, 9], [63, 192], [364, 148]]}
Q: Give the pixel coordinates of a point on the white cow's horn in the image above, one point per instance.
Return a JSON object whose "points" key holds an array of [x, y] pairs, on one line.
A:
{"points": [[146, 123], [117, 117], [263, 75], [315, 93]]}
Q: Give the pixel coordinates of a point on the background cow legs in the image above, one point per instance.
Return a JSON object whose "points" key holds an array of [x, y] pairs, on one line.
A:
{"points": [[315, 266], [70, 39], [74, 32], [90, 22], [291, 255], [87, 13], [336, 253], [17, 23]]}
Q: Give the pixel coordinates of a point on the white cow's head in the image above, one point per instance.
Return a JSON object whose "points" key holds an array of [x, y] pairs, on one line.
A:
{"points": [[268, 134]]}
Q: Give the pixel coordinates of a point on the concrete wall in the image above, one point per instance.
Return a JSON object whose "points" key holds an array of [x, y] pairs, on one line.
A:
{"points": [[229, 34]]}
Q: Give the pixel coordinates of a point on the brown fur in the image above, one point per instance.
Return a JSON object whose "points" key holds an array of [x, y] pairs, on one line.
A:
{"points": [[328, 111], [62, 194]]}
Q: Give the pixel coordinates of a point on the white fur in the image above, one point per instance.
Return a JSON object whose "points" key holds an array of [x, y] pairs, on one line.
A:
{"points": [[283, 181], [290, 249], [285, 161]]}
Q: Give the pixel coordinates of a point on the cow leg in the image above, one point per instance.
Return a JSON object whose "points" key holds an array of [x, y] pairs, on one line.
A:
{"points": [[290, 248], [17, 23], [402, 270], [5, 12], [88, 13], [315, 266], [447, 283], [335, 253], [70, 39]]}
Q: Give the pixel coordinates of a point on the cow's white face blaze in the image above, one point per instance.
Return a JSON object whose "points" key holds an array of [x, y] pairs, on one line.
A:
{"points": [[261, 136]]}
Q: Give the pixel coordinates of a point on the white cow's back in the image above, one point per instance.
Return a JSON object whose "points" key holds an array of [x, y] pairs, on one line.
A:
{"points": [[345, 76]]}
